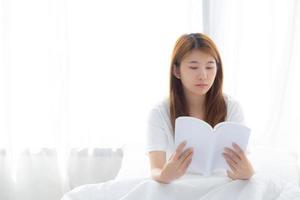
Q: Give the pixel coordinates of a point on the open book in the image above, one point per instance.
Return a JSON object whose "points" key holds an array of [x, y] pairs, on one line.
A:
{"points": [[208, 142]]}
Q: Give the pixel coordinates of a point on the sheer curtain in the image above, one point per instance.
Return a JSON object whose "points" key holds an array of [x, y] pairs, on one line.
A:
{"points": [[78, 79], [259, 42], [77, 82]]}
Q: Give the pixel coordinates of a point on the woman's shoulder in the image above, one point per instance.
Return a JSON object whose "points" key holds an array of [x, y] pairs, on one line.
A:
{"points": [[162, 105], [159, 116], [230, 101], [234, 109], [161, 109]]}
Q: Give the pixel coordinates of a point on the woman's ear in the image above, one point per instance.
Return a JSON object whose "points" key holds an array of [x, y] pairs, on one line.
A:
{"points": [[176, 71]]}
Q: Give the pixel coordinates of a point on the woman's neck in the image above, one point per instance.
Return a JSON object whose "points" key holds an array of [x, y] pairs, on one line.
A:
{"points": [[196, 105]]}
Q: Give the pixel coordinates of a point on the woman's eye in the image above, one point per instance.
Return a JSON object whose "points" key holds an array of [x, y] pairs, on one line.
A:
{"points": [[193, 67], [209, 67]]}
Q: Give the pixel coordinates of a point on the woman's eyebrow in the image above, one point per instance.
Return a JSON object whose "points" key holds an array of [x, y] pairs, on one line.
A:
{"points": [[193, 61], [211, 62]]}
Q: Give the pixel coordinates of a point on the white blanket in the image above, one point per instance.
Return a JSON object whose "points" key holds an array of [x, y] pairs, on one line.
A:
{"points": [[189, 187]]}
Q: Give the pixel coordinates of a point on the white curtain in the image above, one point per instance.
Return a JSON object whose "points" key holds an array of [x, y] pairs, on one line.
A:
{"points": [[77, 81], [260, 45], [79, 77]]}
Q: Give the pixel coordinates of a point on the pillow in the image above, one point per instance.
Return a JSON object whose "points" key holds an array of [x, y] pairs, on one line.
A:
{"points": [[275, 162], [88, 166], [135, 163]]}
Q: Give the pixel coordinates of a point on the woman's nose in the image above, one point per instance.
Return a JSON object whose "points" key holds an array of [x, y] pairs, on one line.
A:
{"points": [[202, 74]]}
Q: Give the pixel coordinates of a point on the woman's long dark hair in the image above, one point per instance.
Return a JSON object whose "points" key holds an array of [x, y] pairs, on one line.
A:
{"points": [[215, 106]]}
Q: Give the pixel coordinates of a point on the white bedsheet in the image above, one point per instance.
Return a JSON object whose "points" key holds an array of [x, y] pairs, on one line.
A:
{"points": [[189, 187]]}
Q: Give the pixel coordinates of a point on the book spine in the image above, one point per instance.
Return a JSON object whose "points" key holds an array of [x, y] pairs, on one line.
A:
{"points": [[211, 155]]}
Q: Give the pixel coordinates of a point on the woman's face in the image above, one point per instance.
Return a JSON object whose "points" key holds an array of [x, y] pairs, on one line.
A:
{"points": [[197, 72]]}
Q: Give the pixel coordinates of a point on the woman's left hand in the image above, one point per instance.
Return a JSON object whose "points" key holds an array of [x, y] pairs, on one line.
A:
{"points": [[238, 162]]}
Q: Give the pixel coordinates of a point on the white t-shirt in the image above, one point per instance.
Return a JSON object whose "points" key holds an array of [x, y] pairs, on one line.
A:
{"points": [[159, 128]]}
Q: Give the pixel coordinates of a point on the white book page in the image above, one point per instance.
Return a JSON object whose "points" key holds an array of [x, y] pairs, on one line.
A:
{"points": [[198, 135], [226, 133]]}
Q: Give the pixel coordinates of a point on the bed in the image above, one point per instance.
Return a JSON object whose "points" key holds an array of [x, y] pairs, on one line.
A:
{"points": [[276, 177]]}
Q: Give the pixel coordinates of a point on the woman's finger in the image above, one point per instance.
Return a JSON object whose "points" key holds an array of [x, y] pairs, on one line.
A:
{"points": [[233, 166], [187, 164], [235, 157], [185, 152], [231, 175], [238, 150], [187, 158], [183, 167], [179, 149]]}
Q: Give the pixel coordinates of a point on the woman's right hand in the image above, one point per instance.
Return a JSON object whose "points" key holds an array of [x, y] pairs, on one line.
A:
{"points": [[177, 165]]}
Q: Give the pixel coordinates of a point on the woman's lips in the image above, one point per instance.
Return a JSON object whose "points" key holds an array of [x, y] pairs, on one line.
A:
{"points": [[201, 85]]}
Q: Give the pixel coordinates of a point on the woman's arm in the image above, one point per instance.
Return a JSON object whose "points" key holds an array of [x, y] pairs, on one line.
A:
{"points": [[157, 161], [166, 171]]}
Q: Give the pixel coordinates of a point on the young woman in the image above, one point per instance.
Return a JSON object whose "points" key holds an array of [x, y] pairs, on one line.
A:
{"points": [[196, 90], [196, 79]]}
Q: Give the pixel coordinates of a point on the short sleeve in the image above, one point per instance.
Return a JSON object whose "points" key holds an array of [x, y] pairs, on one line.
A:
{"points": [[156, 139], [235, 112]]}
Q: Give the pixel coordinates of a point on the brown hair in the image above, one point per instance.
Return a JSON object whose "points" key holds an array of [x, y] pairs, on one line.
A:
{"points": [[215, 106]]}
